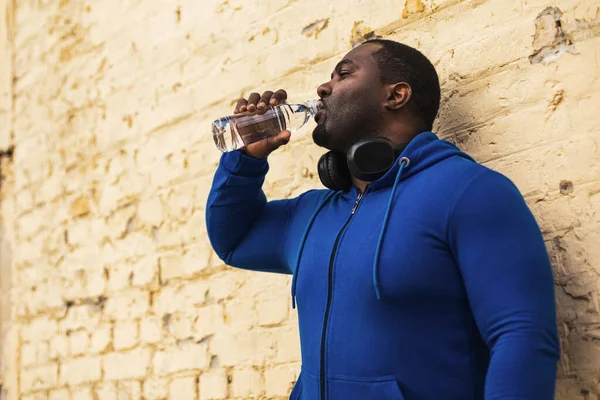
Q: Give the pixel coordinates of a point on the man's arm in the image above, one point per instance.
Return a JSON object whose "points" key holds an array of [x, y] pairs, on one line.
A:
{"points": [[508, 277], [244, 229]]}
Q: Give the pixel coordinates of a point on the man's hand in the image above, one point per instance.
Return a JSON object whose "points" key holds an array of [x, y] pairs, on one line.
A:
{"points": [[258, 104]]}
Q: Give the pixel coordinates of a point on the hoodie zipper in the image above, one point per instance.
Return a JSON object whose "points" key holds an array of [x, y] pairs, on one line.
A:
{"points": [[330, 292]]}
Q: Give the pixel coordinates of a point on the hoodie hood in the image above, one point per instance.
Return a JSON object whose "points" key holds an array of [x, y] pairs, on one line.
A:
{"points": [[425, 150]]}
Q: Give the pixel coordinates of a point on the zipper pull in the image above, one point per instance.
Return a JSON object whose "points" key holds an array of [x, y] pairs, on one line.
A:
{"points": [[360, 195]]}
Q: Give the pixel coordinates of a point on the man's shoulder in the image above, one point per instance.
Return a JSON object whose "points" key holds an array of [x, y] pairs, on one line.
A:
{"points": [[466, 170], [475, 180], [455, 170], [458, 176]]}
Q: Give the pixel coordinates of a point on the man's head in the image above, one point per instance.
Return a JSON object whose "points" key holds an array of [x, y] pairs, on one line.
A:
{"points": [[380, 88]]}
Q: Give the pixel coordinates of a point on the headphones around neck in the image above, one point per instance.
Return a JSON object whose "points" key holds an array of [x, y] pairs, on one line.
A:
{"points": [[367, 160]]}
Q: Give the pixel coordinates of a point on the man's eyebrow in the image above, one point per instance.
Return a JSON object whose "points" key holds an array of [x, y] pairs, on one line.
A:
{"points": [[345, 61]]}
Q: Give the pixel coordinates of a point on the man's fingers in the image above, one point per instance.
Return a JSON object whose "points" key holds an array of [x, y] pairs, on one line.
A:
{"points": [[238, 107], [259, 104], [264, 101], [252, 101], [263, 148], [281, 139], [279, 97]]}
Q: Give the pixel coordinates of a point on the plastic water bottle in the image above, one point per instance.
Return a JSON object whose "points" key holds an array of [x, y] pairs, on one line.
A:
{"points": [[239, 130]]}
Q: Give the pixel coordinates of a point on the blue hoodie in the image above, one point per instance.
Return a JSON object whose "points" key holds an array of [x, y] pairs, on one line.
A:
{"points": [[434, 284]]}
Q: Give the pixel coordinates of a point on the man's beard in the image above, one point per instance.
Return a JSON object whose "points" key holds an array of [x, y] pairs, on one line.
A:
{"points": [[341, 141], [342, 127], [320, 136]]}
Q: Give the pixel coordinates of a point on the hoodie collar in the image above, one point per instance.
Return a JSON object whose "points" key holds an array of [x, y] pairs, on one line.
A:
{"points": [[425, 150]]}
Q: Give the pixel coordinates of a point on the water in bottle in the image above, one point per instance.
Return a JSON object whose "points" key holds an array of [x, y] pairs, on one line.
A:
{"points": [[239, 130]]}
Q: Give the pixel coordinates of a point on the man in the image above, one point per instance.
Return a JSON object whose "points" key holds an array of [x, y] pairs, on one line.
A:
{"points": [[429, 282]]}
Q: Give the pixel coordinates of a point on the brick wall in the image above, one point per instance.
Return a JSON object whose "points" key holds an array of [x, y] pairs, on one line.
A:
{"points": [[115, 292]]}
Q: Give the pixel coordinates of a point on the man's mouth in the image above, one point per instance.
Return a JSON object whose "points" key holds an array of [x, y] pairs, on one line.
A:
{"points": [[319, 116], [321, 112]]}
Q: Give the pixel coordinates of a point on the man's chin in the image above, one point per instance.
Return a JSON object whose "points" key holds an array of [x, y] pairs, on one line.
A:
{"points": [[320, 136]]}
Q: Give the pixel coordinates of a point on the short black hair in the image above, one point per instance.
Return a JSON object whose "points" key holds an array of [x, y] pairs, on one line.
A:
{"points": [[398, 62]]}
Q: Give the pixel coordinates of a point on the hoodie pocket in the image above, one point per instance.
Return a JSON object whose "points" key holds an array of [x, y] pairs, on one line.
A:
{"points": [[381, 388]]}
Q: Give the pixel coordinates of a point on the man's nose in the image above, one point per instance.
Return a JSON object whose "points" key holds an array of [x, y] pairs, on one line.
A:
{"points": [[324, 90]]}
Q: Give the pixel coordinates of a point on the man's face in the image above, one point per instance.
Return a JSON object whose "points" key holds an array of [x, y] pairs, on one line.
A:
{"points": [[353, 100]]}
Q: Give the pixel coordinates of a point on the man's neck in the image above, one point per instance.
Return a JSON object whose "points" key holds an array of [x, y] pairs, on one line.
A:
{"points": [[361, 186], [403, 131], [401, 134]]}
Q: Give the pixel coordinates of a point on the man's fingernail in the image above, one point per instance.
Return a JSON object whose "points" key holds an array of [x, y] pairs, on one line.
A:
{"points": [[261, 105]]}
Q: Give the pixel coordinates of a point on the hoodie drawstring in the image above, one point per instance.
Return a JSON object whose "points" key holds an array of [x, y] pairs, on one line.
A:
{"points": [[404, 162], [303, 241]]}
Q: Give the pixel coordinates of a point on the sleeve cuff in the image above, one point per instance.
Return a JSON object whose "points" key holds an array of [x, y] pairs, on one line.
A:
{"points": [[239, 164]]}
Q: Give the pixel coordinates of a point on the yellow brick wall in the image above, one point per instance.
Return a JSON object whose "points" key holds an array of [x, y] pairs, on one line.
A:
{"points": [[114, 290]]}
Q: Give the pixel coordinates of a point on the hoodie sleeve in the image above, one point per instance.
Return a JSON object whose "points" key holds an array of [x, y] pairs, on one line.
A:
{"points": [[501, 254], [244, 229]]}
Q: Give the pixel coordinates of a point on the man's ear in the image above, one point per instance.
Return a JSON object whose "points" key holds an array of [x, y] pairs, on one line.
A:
{"points": [[399, 94]]}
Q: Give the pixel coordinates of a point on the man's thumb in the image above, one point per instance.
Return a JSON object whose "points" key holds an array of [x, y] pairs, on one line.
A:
{"points": [[279, 140]]}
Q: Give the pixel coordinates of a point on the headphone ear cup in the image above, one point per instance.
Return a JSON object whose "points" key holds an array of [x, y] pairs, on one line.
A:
{"points": [[333, 171], [370, 159]]}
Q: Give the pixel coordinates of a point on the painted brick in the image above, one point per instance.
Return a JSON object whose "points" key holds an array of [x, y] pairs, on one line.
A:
{"points": [[103, 201], [156, 388], [127, 365], [59, 394], [34, 353], [209, 320], [280, 380], [129, 390], [128, 304], [183, 388], [79, 342], [82, 393], [36, 396], [40, 377], [184, 266], [246, 383], [80, 370], [213, 385], [274, 311], [101, 338], [125, 335], [106, 390], [151, 329], [187, 356], [176, 297], [81, 317], [59, 347], [42, 328]]}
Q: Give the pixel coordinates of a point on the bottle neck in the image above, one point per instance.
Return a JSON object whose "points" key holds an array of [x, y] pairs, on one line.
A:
{"points": [[313, 106]]}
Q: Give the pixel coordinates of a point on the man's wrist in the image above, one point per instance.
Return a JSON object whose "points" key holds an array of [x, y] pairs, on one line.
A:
{"points": [[240, 164]]}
